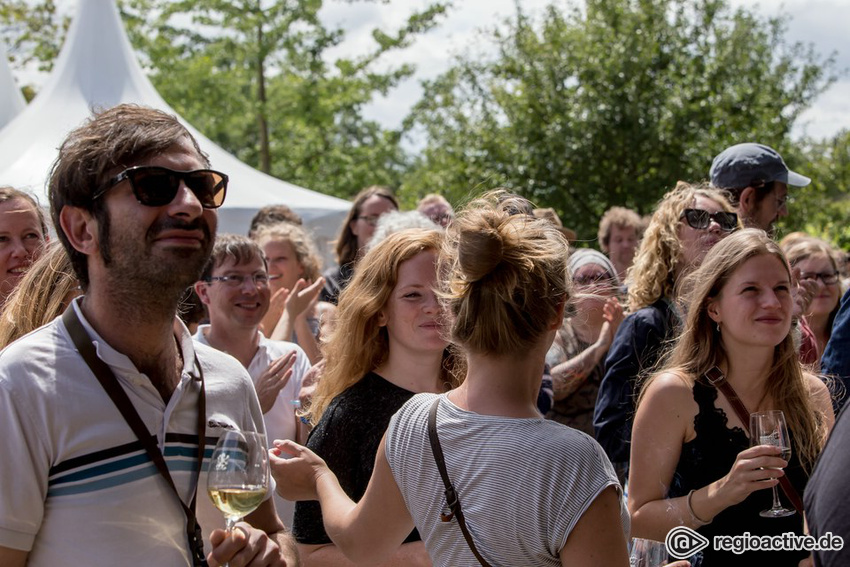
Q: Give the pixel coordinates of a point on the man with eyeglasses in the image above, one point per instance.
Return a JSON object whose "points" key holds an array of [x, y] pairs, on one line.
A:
{"points": [[235, 289], [757, 179], [108, 412]]}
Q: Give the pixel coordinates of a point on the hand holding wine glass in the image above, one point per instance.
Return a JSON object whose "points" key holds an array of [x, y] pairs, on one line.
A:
{"points": [[769, 428], [238, 476]]}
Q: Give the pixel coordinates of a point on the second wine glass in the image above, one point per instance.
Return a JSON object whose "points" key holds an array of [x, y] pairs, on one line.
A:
{"points": [[769, 428]]}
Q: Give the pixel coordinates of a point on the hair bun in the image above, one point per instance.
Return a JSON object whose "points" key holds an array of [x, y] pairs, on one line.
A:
{"points": [[479, 252]]}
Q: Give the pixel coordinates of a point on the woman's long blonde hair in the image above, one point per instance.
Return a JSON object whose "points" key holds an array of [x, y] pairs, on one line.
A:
{"points": [[41, 295], [652, 276], [358, 343], [700, 347]]}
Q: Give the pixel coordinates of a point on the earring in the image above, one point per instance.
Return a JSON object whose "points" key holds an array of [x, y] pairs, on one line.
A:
{"points": [[718, 327]]}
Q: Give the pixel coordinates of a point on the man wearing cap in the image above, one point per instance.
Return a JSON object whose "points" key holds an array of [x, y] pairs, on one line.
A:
{"points": [[757, 178]]}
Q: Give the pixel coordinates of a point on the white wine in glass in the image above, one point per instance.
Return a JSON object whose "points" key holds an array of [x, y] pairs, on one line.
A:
{"points": [[769, 428], [238, 474]]}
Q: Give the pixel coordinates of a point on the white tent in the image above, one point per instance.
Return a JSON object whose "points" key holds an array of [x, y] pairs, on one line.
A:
{"points": [[97, 68], [11, 100]]}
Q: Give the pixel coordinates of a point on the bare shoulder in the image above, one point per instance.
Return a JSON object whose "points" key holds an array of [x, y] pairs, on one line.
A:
{"points": [[821, 397], [817, 387], [668, 387]]}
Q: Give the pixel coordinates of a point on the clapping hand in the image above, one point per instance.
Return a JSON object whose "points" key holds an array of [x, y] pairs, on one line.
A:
{"points": [[273, 379], [804, 292], [302, 296]]}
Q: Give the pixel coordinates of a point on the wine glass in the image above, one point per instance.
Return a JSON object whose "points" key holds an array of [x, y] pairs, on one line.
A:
{"points": [[769, 428], [238, 474], [647, 553]]}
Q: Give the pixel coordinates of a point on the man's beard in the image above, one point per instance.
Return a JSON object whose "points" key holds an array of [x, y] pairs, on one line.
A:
{"points": [[134, 269]]}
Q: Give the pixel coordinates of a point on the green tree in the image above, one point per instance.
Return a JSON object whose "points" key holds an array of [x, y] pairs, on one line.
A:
{"points": [[822, 208], [254, 76], [32, 31], [610, 103]]}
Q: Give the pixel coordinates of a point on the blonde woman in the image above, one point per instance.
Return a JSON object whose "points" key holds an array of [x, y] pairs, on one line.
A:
{"points": [[692, 463], [387, 345], [533, 492], [23, 231], [295, 280], [42, 294], [688, 221]]}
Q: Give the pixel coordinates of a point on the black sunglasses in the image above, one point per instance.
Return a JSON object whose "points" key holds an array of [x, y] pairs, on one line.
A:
{"points": [[155, 186], [701, 220]]}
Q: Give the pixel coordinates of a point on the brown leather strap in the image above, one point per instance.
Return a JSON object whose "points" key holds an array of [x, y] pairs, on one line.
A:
{"points": [[716, 378], [119, 397], [452, 500]]}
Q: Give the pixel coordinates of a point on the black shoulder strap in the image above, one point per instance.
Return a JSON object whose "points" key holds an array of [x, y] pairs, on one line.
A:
{"points": [[119, 397], [717, 379], [452, 500]]}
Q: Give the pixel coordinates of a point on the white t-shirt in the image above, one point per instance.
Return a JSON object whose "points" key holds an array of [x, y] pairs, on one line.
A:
{"points": [[523, 483], [280, 420], [78, 487]]}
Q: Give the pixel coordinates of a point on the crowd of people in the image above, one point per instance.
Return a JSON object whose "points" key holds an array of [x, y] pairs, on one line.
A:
{"points": [[479, 387]]}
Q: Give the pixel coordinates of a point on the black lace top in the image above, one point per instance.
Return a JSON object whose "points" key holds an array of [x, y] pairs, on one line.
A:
{"points": [[710, 456]]}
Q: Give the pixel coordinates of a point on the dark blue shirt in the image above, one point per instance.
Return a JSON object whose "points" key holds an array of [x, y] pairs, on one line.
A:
{"points": [[636, 349]]}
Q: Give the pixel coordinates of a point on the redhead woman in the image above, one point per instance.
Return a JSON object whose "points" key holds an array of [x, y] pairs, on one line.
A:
{"points": [[687, 222], [533, 492], [692, 463], [387, 345]]}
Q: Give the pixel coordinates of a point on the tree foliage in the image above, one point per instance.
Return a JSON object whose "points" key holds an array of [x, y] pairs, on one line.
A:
{"points": [[822, 208], [32, 32], [610, 103], [254, 76]]}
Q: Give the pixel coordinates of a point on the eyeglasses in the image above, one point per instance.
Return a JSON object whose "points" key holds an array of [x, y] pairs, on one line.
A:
{"points": [[701, 220], [156, 186], [369, 219], [259, 280], [591, 279], [828, 278]]}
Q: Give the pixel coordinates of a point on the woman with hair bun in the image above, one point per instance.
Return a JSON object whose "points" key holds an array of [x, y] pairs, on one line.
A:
{"points": [[504, 286]]}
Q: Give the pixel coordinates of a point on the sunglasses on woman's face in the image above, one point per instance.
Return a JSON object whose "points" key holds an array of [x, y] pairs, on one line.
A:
{"points": [[155, 186], [701, 220]]}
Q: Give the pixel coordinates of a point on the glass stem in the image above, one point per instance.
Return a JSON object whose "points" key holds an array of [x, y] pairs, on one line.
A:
{"points": [[776, 503]]}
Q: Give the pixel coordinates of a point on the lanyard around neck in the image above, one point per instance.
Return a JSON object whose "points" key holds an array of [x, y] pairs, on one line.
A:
{"points": [[119, 397]]}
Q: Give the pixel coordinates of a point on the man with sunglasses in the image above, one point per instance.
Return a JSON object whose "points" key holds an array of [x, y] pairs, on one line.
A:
{"points": [[757, 179], [107, 412]]}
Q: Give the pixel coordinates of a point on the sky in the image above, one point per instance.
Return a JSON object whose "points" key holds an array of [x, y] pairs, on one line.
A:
{"points": [[823, 23]]}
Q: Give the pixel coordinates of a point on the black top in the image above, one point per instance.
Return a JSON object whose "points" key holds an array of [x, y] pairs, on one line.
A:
{"points": [[347, 438], [826, 502], [336, 279], [636, 348], [710, 456]]}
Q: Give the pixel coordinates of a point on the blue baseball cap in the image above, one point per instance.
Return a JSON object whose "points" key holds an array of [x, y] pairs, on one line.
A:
{"points": [[742, 165]]}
